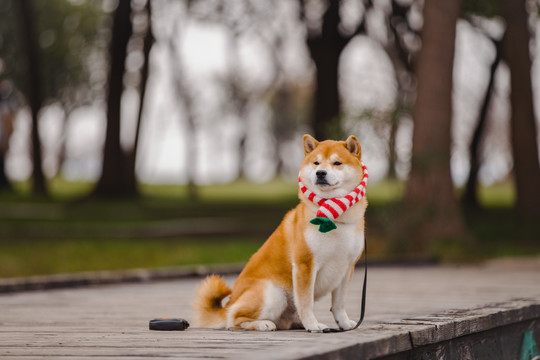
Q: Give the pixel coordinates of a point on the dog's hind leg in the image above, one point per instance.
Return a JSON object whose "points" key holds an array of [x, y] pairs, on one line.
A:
{"points": [[258, 325], [259, 308]]}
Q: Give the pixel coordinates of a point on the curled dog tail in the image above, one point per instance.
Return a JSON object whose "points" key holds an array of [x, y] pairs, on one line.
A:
{"points": [[209, 310]]}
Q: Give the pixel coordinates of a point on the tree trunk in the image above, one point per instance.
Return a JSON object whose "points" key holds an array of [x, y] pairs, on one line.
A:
{"points": [[432, 211], [62, 152], [33, 90], [283, 124], [402, 61], [325, 50], [6, 129], [326, 109], [470, 197], [131, 176], [112, 178], [523, 126], [5, 185], [392, 139], [238, 98]]}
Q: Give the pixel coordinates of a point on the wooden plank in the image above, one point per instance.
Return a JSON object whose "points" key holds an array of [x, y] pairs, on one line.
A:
{"points": [[406, 308]]}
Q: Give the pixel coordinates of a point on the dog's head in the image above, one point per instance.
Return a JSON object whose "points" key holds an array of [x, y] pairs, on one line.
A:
{"points": [[331, 168]]}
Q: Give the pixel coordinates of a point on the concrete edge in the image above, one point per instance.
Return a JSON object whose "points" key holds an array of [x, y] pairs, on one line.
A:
{"points": [[416, 333], [91, 278], [453, 324], [63, 281]]}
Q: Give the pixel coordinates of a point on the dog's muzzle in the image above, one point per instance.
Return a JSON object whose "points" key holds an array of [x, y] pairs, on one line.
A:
{"points": [[321, 177]]}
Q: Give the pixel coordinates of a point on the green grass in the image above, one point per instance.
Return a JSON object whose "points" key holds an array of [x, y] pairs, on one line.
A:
{"points": [[63, 234], [50, 256], [498, 195], [227, 224], [240, 191]]}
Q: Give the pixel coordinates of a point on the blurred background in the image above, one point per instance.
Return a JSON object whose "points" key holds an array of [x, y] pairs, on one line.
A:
{"points": [[152, 133]]}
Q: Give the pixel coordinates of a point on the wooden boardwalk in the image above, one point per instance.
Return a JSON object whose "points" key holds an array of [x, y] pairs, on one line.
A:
{"points": [[406, 307]]}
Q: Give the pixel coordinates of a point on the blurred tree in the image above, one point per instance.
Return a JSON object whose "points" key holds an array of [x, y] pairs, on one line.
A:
{"points": [[147, 42], [283, 123], [234, 18], [112, 182], [286, 113], [431, 210], [184, 94], [64, 48], [262, 20], [523, 126], [76, 57], [472, 11], [239, 94], [8, 109], [402, 45], [470, 196], [254, 21], [401, 42], [118, 176], [403, 38], [33, 88], [289, 114], [326, 44]]}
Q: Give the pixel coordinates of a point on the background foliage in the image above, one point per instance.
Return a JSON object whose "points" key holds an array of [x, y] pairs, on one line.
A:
{"points": [[223, 91]]}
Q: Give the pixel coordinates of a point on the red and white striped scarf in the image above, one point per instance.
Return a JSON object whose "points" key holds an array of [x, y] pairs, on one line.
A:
{"points": [[331, 209]]}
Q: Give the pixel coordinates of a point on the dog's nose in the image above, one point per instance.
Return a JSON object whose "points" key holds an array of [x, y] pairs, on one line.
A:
{"points": [[320, 174]]}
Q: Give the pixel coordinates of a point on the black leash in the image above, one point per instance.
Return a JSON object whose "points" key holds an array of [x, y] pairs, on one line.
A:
{"points": [[363, 306]]}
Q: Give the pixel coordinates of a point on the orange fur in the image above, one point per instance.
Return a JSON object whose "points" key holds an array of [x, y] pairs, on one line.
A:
{"points": [[208, 304], [278, 285]]}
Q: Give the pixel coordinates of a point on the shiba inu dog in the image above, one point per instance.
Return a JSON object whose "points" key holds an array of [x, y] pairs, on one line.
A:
{"points": [[300, 262]]}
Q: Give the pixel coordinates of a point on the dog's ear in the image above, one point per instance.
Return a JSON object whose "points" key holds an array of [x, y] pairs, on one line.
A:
{"points": [[309, 144], [353, 146]]}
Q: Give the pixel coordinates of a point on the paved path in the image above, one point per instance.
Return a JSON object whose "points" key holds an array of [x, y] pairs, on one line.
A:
{"points": [[112, 321]]}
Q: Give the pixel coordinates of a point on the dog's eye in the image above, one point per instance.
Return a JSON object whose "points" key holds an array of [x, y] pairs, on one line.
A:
{"points": [[316, 163], [337, 163]]}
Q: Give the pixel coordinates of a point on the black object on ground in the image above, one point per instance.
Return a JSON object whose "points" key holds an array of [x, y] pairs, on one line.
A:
{"points": [[168, 324]]}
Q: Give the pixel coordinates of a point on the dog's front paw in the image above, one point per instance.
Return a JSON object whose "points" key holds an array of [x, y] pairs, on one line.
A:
{"points": [[347, 324], [316, 327]]}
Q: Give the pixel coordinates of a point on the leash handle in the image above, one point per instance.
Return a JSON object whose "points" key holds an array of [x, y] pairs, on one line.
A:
{"points": [[363, 305]]}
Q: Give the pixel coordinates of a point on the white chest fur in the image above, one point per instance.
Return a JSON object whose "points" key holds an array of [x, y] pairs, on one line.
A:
{"points": [[334, 253]]}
